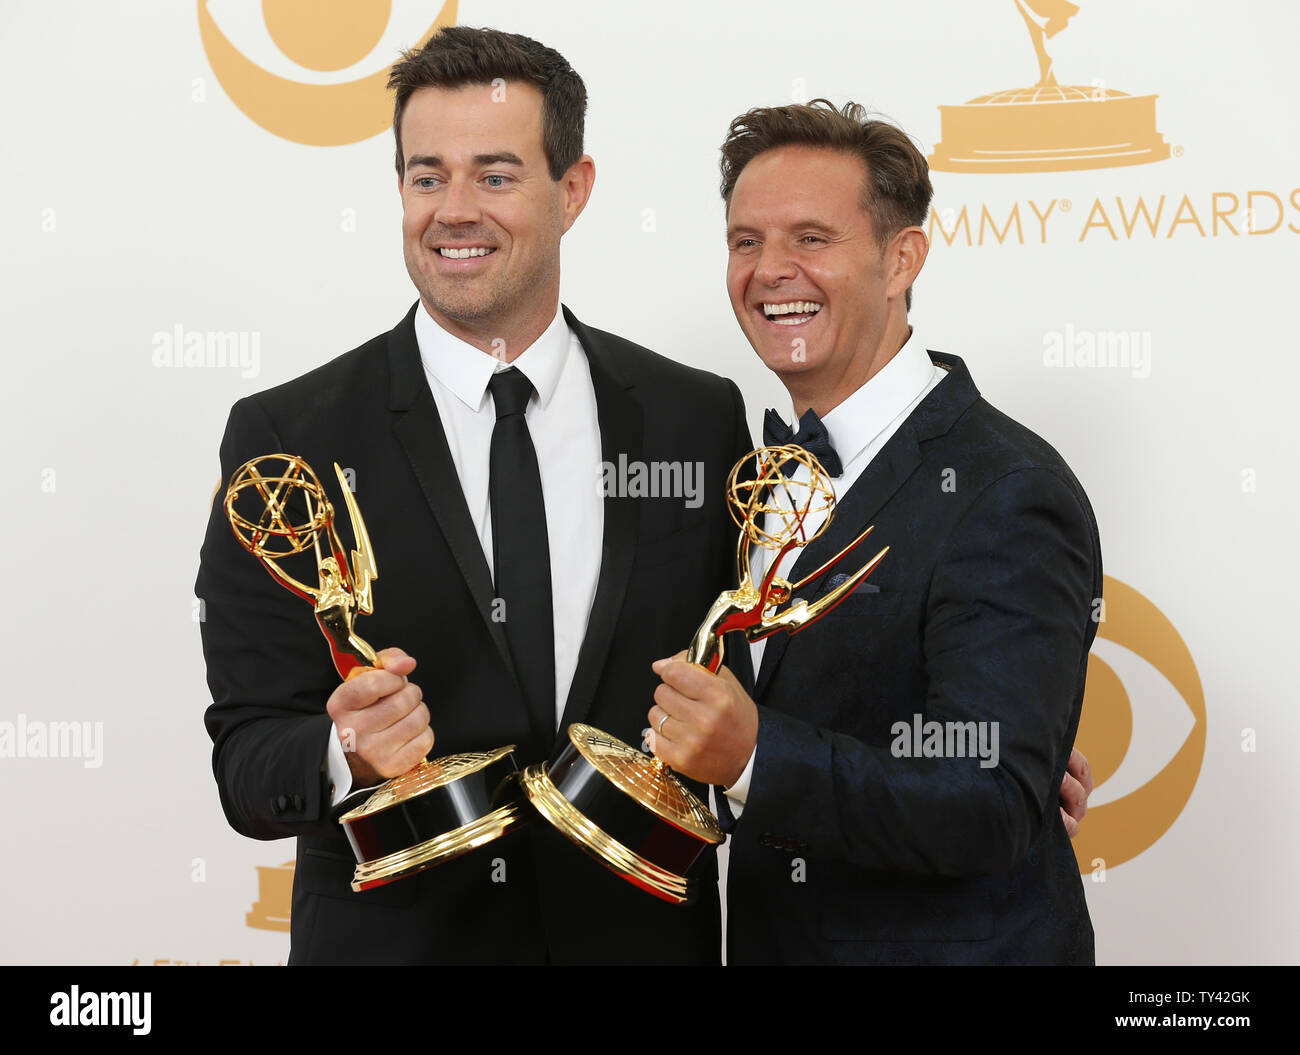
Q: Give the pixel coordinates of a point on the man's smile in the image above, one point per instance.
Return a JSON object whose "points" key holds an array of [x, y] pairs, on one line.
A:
{"points": [[789, 312], [448, 253], [462, 259]]}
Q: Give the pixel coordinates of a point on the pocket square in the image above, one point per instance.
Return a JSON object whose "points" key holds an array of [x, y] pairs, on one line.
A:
{"points": [[863, 587]]}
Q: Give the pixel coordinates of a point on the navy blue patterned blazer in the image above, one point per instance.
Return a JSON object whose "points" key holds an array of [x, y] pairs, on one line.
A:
{"points": [[981, 612]]}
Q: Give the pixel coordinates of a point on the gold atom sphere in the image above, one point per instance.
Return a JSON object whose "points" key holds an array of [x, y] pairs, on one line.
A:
{"points": [[277, 506], [776, 497]]}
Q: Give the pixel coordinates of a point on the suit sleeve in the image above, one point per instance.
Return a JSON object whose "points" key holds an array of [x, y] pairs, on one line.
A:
{"points": [[742, 443], [1006, 633], [268, 670]]}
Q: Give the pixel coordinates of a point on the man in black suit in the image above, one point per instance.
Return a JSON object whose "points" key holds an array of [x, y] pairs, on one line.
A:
{"points": [[492, 174], [892, 794]]}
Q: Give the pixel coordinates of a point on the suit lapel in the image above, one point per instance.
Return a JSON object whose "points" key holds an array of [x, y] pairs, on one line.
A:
{"points": [[737, 653], [622, 431], [888, 471], [419, 431], [739, 659], [896, 461]]}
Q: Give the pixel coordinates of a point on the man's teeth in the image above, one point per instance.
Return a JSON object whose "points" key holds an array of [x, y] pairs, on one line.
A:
{"points": [[794, 307], [463, 254]]}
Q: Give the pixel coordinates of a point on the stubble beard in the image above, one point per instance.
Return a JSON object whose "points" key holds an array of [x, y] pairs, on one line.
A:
{"points": [[497, 296]]}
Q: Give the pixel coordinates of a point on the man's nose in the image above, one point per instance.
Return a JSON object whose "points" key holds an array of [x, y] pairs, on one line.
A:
{"points": [[775, 263], [457, 204]]}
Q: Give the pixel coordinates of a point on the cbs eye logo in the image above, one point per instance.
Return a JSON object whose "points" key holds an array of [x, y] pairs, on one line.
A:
{"points": [[313, 71], [1143, 729]]}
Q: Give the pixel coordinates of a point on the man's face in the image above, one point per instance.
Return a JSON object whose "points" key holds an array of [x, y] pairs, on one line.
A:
{"points": [[481, 216], [806, 275]]}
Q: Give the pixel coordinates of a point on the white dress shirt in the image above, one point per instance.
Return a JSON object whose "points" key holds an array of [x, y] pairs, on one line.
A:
{"points": [[562, 422], [858, 428]]}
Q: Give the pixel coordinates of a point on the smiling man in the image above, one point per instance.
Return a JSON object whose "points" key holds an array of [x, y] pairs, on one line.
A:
{"points": [[476, 430], [890, 777]]}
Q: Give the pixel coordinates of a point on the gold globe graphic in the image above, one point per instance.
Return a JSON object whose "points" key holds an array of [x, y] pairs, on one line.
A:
{"points": [[773, 507], [277, 506]]}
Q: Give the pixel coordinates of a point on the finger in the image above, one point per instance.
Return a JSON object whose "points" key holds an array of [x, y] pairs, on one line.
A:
{"points": [[690, 679], [670, 701], [1079, 767], [393, 659], [663, 748], [658, 664], [364, 690], [1071, 825], [397, 748], [1073, 797], [409, 755], [661, 722], [407, 728], [396, 660], [372, 721], [406, 705]]}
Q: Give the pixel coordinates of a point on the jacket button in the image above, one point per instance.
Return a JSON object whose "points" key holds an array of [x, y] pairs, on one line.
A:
{"points": [[279, 804], [298, 803]]}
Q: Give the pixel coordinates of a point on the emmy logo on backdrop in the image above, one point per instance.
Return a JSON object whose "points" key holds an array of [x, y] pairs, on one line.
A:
{"points": [[1048, 126], [626, 808], [274, 897], [438, 810]]}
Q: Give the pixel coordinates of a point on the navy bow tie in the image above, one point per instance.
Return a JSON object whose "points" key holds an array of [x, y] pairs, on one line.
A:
{"points": [[812, 437]]}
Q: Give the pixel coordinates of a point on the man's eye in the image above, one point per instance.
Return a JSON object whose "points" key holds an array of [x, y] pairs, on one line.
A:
{"points": [[426, 182], [745, 243], [495, 180], [812, 238]]}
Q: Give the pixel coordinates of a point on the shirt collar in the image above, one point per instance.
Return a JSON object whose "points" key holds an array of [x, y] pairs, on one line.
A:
{"points": [[865, 414], [465, 370]]}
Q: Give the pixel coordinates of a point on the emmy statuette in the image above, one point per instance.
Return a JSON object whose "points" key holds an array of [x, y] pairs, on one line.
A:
{"points": [[438, 810], [627, 809]]}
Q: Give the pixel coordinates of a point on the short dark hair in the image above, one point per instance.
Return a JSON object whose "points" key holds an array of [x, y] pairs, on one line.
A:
{"points": [[459, 55], [897, 190]]}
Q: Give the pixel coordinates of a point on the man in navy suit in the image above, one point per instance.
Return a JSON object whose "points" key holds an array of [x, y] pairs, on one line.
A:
{"points": [[890, 780]]}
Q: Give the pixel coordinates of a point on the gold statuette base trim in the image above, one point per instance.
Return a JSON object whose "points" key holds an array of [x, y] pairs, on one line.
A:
{"points": [[645, 874], [408, 862], [427, 776]]}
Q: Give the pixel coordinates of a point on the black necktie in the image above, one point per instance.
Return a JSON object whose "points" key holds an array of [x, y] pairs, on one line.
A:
{"points": [[520, 554], [812, 437]]}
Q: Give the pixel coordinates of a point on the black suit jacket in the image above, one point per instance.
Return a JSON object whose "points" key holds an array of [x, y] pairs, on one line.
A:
{"points": [[981, 612], [270, 673]]}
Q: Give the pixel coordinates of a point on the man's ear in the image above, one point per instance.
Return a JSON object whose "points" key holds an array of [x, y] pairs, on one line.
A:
{"points": [[575, 188], [906, 257]]}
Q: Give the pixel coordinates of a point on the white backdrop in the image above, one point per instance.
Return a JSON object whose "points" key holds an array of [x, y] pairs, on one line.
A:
{"points": [[136, 199]]}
